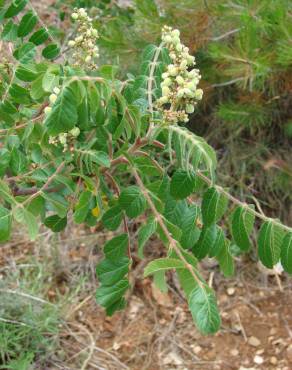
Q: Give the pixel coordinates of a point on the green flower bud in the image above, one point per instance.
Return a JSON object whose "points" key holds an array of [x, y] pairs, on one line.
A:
{"points": [[183, 64], [180, 93], [163, 100], [175, 33], [165, 91], [167, 82], [190, 59], [75, 131], [79, 39], [199, 94], [188, 92], [180, 80], [173, 71], [176, 40], [190, 108], [167, 39]]}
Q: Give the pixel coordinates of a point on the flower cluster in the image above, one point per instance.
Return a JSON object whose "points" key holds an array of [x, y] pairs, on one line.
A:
{"points": [[52, 98], [179, 86], [84, 45], [66, 139]]}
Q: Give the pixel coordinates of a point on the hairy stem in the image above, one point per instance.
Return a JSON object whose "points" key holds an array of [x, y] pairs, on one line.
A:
{"points": [[159, 219], [150, 85]]}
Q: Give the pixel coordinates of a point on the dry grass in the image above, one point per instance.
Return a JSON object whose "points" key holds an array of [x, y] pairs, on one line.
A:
{"points": [[155, 331]]}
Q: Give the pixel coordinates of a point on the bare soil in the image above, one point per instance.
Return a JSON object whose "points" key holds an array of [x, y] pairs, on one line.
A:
{"points": [[156, 330]]}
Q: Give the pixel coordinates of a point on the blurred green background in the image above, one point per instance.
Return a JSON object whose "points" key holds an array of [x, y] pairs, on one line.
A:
{"points": [[244, 51]]}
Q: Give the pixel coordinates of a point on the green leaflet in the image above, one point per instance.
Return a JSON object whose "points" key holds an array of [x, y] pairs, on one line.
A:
{"points": [[111, 274], [192, 149], [23, 216], [4, 160], [204, 244], [112, 218], [26, 73], [25, 53], [214, 205], [190, 232], [225, 259], [39, 37], [132, 201], [182, 184], [83, 207], [161, 264], [269, 243], [90, 158], [9, 32], [204, 309], [116, 248], [106, 296], [5, 224], [241, 226], [201, 298], [51, 51], [56, 223], [27, 24], [286, 253], [64, 113], [218, 243], [174, 231], [15, 8], [56, 202], [145, 232], [160, 281]]}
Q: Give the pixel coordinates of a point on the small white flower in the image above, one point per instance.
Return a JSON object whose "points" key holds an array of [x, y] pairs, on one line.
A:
{"points": [[63, 138], [173, 71], [180, 80], [79, 39], [74, 16], [88, 59], [183, 64], [47, 110], [53, 98], [56, 90], [71, 43]]}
